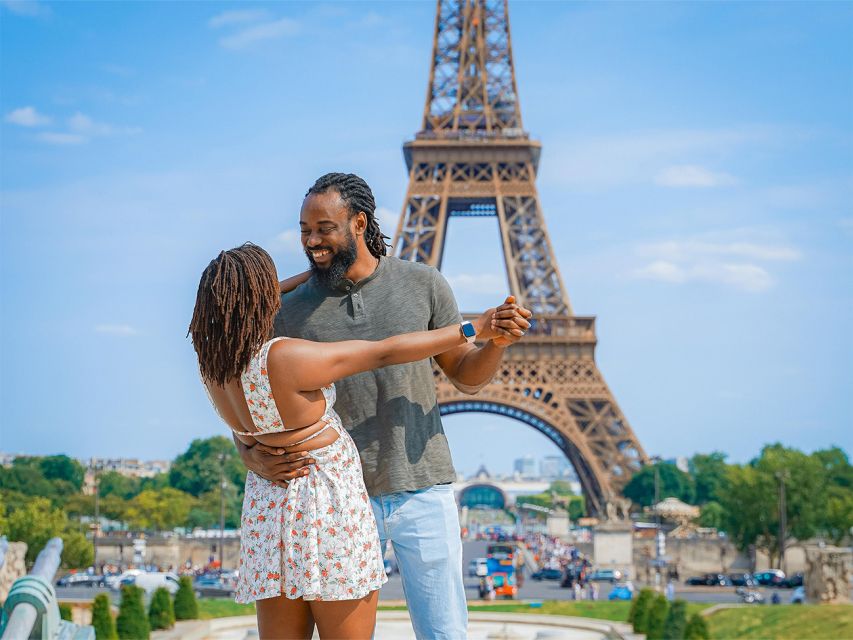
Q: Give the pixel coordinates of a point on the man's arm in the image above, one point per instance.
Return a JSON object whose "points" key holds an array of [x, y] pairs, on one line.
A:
{"points": [[471, 367], [272, 463]]}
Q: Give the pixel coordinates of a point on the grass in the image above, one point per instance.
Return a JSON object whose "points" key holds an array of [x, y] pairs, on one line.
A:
{"points": [[223, 608], [768, 622], [783, 622]]}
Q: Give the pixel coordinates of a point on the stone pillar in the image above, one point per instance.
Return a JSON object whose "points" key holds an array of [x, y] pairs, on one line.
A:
{"points": [[14, 567], [613, 546], [827, 575]]}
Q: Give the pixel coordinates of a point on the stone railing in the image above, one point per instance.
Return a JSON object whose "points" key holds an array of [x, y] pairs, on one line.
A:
{"points": [[31, 610]]}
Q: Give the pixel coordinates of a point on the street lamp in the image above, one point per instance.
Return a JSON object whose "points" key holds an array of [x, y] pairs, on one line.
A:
{"points": [[781, 476], [221, 457], [659, 538]]}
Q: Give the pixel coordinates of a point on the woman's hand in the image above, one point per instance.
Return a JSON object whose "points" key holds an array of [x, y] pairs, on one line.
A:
{"points": [[289, 284], [485, 325]]}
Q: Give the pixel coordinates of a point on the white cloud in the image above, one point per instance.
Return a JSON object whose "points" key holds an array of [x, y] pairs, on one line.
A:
{"points": [[53, 137], [241, 16], [116, 329], [690, 175], [265, 31], [596, 162], [29, 8], [690, 249], [728, 263], [287, 242], [388, 220], [27, 117], [479, 283]]}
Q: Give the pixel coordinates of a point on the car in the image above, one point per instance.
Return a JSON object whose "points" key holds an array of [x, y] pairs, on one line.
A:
{"points": [[546, 574], [710, 580], [771, 578], [213, 586], [621, 592], [115, 581], [749, 596], [478, 567], [606, 575], [80, 580], [799, 596], [792, 581], [153, 580], [742, 579]]}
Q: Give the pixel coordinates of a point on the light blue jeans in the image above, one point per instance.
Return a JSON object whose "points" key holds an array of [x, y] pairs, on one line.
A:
{"points": [[423, 527]]}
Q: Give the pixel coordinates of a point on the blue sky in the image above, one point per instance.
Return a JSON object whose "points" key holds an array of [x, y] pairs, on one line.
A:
{"points": [[696, 178]]}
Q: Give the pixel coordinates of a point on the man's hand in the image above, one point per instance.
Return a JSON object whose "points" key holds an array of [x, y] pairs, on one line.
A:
{"points": [[273, 464], [512, 322]]}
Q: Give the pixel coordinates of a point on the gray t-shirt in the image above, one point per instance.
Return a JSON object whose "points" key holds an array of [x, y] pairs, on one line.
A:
{"points": [[391, 413]]}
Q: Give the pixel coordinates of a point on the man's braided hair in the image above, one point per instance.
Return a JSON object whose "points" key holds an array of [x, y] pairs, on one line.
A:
{"points": [[357, 196], [236, 303]]}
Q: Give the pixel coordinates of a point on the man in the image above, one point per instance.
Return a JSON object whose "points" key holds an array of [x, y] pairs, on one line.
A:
{"points": [[357, 292]]}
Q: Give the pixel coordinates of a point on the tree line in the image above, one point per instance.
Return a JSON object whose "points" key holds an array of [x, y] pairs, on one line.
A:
{"points": [[743, 499]]}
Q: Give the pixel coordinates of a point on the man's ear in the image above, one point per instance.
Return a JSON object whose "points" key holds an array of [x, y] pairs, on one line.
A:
{"points": [[360, 223]]}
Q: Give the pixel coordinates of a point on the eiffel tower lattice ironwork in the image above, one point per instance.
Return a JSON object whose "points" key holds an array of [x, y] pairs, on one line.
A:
{"points": [[472, 157]]}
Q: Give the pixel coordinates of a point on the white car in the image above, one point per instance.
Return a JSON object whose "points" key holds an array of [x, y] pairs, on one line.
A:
{"points": [[478, 567], [149, 582], [114, 582]]}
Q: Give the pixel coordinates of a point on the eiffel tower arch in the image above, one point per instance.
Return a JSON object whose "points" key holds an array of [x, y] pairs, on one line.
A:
{"points": [[472, 157]]}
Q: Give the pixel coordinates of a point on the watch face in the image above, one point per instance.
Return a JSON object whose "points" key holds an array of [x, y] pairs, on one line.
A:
{"points": [[468, 330]]}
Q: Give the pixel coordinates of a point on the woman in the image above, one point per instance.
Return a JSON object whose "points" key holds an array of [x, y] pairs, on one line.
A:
{"points": [[309, 551]]}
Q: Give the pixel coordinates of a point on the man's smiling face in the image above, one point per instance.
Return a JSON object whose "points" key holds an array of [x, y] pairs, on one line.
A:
{"points": [[327, 236]]}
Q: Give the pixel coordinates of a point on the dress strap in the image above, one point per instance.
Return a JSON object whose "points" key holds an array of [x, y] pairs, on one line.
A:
{"points": [[265, 349]]}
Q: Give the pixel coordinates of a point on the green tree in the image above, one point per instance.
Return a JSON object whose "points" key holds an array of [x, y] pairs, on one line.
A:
{"points": [[112, 483], [161, 614], [77, 549], [186, 606], [64, 469], [160, 510], [65, 612], [196, 471], [676, 621], [4, 522], [205, 513], [132, 623], [697, 628], [712, 515], [26, 478], [709, 475], [657, 618], [102, 618], [639, 614], [839, 513], [673, 483], [36, 523], [562, 488], [751, 500]]}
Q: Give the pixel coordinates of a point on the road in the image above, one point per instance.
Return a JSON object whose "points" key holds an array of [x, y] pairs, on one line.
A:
{"points": [[531, 589]]}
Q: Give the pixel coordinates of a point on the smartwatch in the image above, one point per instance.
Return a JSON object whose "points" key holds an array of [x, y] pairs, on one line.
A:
{"points": [[468, 331]]}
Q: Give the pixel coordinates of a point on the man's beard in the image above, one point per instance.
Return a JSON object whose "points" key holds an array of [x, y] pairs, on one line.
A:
{"points": [[342, 260]]}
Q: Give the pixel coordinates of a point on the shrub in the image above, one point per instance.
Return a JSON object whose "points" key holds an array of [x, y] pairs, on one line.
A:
{"points": [[186, 607], [65, 612], [657, 618], [639, 614], [161, 614], [102, 618], [676, 621], [132, 623], [697, 628]]}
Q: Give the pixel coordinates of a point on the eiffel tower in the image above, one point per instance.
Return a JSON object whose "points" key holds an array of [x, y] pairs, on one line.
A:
{"points": [[472, 157]]}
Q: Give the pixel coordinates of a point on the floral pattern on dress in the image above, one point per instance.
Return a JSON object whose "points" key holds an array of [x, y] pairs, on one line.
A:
{"points": [[316, 539]]}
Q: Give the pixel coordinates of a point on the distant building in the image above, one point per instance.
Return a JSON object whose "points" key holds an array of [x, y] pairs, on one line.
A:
{"points": [[525, 467], [680, 462], [554, 467], [130, 467]]}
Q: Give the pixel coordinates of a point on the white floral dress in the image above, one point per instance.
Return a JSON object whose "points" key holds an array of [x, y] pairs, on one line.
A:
{"points": [[317, 539]]}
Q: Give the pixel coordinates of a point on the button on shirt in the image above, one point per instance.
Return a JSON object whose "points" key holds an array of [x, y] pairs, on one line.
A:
{"points": [[391, 413]]}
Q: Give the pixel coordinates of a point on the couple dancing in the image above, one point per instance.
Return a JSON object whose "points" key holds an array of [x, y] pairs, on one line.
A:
{"points": [[329, 393]]}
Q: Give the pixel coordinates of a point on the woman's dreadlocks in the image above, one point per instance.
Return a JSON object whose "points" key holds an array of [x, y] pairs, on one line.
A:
{"points": [[236, 303]]}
